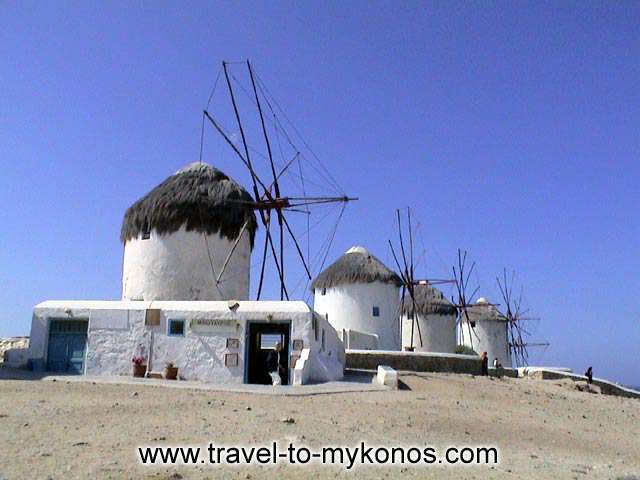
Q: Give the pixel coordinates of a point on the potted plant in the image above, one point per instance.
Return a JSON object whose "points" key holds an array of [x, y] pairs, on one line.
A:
{"points": [[171, 371], [139, 367]]}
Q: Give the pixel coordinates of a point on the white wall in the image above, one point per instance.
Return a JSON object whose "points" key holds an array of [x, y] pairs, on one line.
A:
{"points": [[489, 336], [116, 329], [176, 266], [353, 339], [350, 306], [438, 333]]}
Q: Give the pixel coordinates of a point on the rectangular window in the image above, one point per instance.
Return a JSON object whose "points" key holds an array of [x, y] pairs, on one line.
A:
{"points": [[376, 311], [268, 340], [324, 291], [146, 235], [176, 328]]}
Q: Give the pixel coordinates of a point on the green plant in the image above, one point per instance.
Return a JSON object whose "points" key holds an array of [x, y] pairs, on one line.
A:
{"points": [[464, 350]]}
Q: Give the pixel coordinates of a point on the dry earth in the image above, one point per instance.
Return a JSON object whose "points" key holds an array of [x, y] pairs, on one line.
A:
{"points": [[544, 429]]}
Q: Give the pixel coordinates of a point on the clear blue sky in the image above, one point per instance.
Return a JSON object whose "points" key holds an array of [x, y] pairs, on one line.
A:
{"points": [[511, 128]]}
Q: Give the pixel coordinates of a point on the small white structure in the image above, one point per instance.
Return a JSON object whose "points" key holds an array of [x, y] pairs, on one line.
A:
{"points": [[386, 376], [190, 238], [218, 342], [431, 326], [486, 331], [358, 292]]}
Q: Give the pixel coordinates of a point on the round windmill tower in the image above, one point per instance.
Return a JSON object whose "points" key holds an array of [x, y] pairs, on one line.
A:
{"points": [[433, 315], [190, 238], [488, 331], [358, 292]]}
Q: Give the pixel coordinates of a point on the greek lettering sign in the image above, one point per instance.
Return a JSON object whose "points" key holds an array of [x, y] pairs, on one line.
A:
{"points": [[213, 325]]}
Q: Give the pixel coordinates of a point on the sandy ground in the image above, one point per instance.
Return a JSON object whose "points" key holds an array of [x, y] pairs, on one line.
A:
{"points": [[544, 429]]}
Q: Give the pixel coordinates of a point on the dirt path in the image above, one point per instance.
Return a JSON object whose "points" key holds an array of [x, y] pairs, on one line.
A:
{"points": [[544, 429]]}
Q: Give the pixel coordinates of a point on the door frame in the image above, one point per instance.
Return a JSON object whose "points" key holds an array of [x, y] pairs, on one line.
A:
{"points": [[50, 320], [247, 345]]}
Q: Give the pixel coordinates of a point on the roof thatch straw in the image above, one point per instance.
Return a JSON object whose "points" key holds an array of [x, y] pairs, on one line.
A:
{"points": [[355, 266], [429, 300], [200, 197], [483, 310]]}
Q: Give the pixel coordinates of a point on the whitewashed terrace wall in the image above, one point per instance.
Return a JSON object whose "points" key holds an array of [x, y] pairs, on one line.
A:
{"points": [[177, 266], [350, 306]]}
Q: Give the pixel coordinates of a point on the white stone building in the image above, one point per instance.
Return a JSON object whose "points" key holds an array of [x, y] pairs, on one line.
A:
{"points": [[359, 296], [219, 342], [486, 331], [185, 286], [431, 326]]}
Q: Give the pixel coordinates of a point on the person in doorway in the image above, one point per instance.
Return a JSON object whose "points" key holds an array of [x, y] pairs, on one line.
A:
{"points": [[496, 364], [589, 375], [276, 364], [484, 358]]}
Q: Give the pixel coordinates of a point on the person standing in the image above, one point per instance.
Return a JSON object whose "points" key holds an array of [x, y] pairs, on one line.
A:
{"points": [[276, 364], [589, 375], [484, 369]]}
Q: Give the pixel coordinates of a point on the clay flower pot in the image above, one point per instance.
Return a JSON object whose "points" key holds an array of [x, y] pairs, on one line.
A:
{"points": [[171, 372], [139, 370]]}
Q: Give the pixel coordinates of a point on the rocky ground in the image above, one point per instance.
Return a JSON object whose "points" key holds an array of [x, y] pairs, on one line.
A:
{"points": [[544, 429], [12, 342]]}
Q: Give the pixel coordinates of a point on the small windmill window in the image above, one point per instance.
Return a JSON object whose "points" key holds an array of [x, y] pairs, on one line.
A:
{"points": [[376, 311], [146, 235], [324, 291], [473, 324]]}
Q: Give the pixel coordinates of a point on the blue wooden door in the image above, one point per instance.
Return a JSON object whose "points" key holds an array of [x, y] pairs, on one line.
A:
{"points": [[67, 344]]}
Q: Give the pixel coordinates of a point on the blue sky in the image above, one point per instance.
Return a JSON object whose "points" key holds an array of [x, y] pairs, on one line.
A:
{"points": [[510, 128]]}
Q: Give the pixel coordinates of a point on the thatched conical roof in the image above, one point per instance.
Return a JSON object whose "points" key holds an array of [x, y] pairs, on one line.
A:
{"points": [[429, 300], [200, 197], [483, 310], [357, 265]]}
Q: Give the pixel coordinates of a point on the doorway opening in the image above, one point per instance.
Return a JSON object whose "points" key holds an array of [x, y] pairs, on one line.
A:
{"points": [[67, 346], [262, 339]]}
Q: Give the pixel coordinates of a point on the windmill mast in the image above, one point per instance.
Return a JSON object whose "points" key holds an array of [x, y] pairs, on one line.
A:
{"points": [[268, 196]]}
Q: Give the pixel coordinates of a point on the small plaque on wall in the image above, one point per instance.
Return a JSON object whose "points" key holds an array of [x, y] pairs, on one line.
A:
{"points": [[233, 343], [230, 359], [214, 326], [298, 344], [152, 317]]}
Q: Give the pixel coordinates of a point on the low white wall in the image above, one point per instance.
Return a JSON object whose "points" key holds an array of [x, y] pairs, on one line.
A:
{"points": [[326, 358], [358, 340]]}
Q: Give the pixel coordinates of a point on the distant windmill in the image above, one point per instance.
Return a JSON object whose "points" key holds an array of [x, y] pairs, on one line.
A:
{"points": [[409, 281], [515, 317], [462, 277], [269, 196]]}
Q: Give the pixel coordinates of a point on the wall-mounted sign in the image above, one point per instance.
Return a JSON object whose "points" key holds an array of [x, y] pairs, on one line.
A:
{"points": [[213, 325], [298, 344], [152, 317], [233, 343], [231, 359]]}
